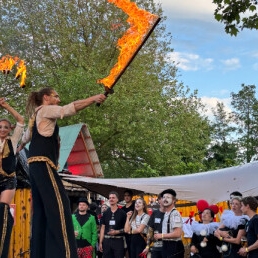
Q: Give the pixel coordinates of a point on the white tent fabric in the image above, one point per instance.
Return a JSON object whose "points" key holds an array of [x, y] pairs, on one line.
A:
{"points": [[213, 186]]}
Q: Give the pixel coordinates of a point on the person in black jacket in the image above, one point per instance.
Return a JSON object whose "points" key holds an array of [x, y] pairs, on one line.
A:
{"points": [[129, 206]]}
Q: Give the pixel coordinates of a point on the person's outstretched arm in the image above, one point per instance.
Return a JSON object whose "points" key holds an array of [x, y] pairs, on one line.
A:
{"points": [[19, 118], [83, 103]]}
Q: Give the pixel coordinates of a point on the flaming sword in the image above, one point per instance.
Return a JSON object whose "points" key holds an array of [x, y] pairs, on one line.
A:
{"points": [[142, 23]]}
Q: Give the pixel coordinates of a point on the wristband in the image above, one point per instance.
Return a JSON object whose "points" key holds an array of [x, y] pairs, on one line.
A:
{"points": [[147, 247], [162, 235], [221, 238], [246, 249]]}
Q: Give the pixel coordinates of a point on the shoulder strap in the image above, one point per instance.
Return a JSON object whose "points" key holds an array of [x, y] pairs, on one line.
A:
{"points": [[168, 223], [143, 216]]}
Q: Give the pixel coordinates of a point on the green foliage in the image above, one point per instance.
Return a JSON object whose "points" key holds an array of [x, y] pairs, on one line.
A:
{"points": [[245, 107], [145, 171], [236, 15], [151, 124], [223, 150]]}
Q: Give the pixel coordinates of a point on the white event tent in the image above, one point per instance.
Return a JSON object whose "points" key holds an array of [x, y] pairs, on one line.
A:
{"points": [[213, 186]]}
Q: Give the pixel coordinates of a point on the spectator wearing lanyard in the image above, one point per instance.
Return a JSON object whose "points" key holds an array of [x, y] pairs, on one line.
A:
{"points": [[111, 240]]}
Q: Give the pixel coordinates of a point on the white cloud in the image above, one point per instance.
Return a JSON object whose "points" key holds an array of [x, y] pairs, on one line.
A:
{"points": [[190, 62], [211, 102], [194, 9], [231, 64]]}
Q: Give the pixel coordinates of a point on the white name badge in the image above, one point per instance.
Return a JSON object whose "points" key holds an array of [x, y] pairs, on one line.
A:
{"points": [[112, 222], [157, 220]]}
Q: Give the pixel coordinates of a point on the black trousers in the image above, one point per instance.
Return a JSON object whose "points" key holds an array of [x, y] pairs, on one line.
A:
{"points": [[173, 249], [138, 244], [52, 228], [128, 243], [6, 225], [156, 252], [113, 248]]}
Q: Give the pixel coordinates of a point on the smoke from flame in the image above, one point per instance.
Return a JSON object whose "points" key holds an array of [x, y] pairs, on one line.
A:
{"points": [[7, 63], [141, 22]]}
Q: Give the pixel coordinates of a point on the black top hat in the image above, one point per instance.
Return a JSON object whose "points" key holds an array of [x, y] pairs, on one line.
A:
{"points": [[83, 199]]}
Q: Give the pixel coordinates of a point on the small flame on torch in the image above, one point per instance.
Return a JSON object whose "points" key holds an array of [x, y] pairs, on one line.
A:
{"points": [[141, 24], [6, 65]]}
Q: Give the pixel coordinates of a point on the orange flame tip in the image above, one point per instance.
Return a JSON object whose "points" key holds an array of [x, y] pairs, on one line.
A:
{"points": [[141, 22]]}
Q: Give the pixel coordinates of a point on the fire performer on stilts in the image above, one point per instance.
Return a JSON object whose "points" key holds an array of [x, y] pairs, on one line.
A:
{"points": [[52, 228], [8, 181]]}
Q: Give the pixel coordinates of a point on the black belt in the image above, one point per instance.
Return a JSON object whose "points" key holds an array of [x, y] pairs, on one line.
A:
{"points": [[106, 236], [170, 240]]}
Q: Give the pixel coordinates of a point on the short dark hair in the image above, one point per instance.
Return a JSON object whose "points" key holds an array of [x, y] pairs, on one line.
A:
{"points": [[236, 193], [159, 196], [168, 191], [251, 201], [115, 193], [93, 206], [128, 191]]}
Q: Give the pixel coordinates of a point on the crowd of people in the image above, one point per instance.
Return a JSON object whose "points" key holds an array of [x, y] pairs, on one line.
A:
{"points": [[116, 232], [160, 234]]}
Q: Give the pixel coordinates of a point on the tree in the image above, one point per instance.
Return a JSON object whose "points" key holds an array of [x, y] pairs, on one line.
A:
{"points": [[151, 122], [236, 15], [245, 107], [223, 150]]}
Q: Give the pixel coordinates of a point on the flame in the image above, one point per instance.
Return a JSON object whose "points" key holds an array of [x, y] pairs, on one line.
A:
{"points": [[141, 22], [21, 72], [6, 65]]}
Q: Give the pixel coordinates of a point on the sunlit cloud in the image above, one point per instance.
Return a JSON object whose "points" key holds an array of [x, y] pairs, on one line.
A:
{"points": [[190, 62], [231, 64], [211, 103], [194, 9]]}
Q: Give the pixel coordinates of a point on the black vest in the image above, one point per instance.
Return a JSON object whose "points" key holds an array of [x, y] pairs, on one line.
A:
{"points": [[9, 162], [41, 146]]}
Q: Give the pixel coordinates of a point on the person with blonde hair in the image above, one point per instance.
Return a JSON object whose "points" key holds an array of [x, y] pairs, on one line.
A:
{"points": [[137, 225], [8, 181], [232, 229]]}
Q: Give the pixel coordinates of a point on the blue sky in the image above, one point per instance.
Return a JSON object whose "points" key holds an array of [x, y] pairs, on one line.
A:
{"points": [[209, 60]]}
